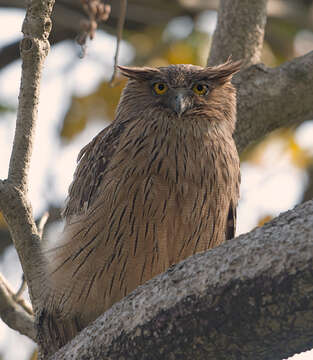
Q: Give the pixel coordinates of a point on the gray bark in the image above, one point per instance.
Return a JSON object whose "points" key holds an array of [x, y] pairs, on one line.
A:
{"points": [[14, 204], [270, 98], [250, 298], [239, 32], [15, 312]]}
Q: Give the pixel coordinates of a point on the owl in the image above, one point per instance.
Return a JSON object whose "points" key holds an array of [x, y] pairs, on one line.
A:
{"points": [[159, 184]]}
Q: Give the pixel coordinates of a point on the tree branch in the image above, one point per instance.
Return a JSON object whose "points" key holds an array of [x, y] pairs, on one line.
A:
{"points": [[250, 298], [13, 191], [120, 27], [239, 31], [15, 313], [271, 98], [18, 214], [34, 49]]}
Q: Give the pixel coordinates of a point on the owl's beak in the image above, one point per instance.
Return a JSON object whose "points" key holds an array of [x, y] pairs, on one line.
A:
{"points": [[180, 103]]}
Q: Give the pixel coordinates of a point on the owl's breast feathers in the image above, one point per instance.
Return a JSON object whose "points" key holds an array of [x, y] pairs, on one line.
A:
{"points": [[162, 155], [93, 160], [145, 195]]}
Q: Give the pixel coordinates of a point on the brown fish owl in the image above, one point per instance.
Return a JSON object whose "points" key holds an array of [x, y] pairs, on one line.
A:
{"points": [[159, 184]]}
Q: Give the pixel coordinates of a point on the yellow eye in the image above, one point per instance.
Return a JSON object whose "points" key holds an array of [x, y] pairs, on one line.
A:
{"points": [[200, 89], [160, 88]]}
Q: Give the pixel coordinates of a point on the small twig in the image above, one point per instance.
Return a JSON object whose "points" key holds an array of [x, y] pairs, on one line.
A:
{"points": [[42, 223], [16, 313], [14, 203], [41, 227], [21, 288], [120, 27]]}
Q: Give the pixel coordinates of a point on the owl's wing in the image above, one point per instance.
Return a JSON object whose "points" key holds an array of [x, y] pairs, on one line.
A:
{"points": [[93, 159], [231, 221]]}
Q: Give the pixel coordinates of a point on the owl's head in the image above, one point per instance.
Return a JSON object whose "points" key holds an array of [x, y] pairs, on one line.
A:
{"points": [[181, 91]]}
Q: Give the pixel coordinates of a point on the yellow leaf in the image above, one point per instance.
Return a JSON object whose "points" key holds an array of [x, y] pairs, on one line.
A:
{"points": [[264, 220], [34, 355], [3, 224], [299, 157]]}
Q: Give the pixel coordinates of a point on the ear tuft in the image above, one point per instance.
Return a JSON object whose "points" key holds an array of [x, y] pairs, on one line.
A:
{"points": [[223, 73], [138, 73]]}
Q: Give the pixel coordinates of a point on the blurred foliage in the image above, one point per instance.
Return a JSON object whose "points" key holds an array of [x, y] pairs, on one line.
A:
{"points": [[100, 104], [281, 29], [157, 46], [285, 141], [6, 108]]}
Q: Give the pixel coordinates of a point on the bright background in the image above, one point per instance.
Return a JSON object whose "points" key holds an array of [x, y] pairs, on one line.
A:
{"points": [[76, 103]]}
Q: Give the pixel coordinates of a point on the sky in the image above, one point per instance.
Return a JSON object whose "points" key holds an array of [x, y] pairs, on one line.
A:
{"points": [[270, 186]]}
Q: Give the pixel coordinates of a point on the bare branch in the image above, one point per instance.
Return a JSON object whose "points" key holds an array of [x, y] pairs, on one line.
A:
{"points": [[239, 31], [16, 314], [42, 223], [272, 98], [13, 191], [18, 214], [120, 26], [217, 304], [22, 288], [34, 48]]}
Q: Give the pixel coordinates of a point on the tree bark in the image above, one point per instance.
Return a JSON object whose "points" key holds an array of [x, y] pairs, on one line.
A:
{"points": [[14, 204], [15, 312], [272, 98], [239, 32], [250, 298]]}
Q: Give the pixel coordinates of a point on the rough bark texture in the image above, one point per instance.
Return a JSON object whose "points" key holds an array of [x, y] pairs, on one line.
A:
{"points": [[250, 298], [239, 31], [34, 48], [15, 312], [18, 214], [272, 98], [13, 191]]}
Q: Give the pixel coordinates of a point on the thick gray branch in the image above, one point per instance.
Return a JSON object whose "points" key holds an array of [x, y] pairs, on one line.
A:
{"points": [[272, 98], [15, 313], [250, 298], [239, 31]]}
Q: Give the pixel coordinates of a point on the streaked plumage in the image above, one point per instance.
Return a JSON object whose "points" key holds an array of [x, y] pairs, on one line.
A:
{"points": [[159, 184]]}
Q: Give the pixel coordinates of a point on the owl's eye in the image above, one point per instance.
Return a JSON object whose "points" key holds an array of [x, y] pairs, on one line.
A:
{"points": [[200, 89], [160, 88]]}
